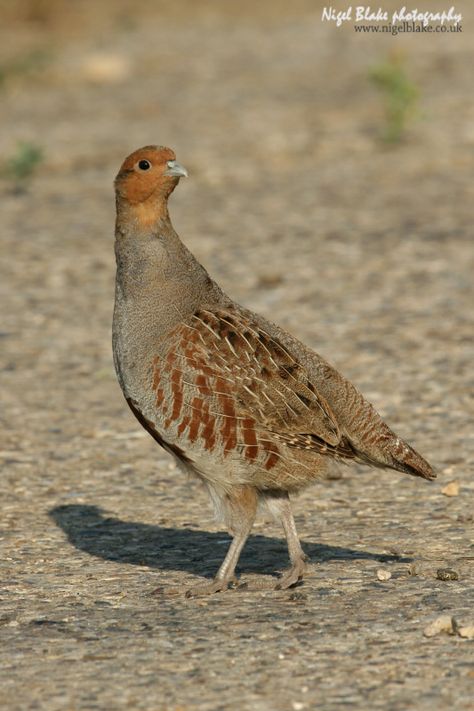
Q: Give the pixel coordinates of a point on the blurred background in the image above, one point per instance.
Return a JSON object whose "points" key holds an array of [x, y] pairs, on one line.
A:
{"points": [[330, 188]]}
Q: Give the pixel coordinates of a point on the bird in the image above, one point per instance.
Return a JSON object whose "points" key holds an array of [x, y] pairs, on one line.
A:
{"points": [[239, 402]]}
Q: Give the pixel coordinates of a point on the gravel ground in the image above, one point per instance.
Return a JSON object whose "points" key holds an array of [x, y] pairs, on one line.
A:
{"points": [[295, 206]]}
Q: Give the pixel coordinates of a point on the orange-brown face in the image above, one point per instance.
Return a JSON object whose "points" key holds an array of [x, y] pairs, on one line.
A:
{"points": [[147, 171]]}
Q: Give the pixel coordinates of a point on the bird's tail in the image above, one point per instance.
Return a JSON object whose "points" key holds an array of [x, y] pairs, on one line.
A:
{"points": [[409, 461], [398, 455], [366, 437]]}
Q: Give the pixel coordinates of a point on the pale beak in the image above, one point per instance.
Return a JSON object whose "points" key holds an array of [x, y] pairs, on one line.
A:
{"points": [[176, 169]]}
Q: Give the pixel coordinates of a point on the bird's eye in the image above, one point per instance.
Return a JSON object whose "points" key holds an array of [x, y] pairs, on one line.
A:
{"points": [[144, 165]]}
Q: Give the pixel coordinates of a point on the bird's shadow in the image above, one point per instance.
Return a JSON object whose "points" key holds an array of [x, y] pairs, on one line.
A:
{"points": [[89, 529]]}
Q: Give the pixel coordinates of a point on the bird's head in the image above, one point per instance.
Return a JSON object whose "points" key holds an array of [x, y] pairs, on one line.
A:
{"points": [[150, 173]]}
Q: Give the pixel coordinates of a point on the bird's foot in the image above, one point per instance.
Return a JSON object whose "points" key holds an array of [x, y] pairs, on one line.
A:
{"points": [[294, 575], [200, 590], [289, 579]]}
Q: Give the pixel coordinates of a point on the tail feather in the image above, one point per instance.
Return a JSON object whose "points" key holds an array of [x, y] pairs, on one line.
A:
{"points": [[394, 454], [401, 457], [413, 463], [366, 437]]}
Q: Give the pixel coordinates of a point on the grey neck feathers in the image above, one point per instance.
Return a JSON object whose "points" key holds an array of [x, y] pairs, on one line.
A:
{"points": [[156, 273]]}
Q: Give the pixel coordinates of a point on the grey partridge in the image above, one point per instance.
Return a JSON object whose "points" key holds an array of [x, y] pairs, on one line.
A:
{"points": [[238, 401]]}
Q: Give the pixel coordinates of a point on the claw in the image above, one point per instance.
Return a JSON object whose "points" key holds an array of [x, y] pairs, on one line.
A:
{"points": [[292, 576]]}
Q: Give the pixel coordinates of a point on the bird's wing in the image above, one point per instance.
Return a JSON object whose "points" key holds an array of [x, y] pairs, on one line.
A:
{"points": [[223, 366]]}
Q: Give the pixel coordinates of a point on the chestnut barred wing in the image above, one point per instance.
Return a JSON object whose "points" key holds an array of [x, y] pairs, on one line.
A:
{"points": [[225, 382]]}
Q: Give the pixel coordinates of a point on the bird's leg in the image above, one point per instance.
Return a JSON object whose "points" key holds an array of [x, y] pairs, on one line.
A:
{"points": [[238, 510], [279, 505]]}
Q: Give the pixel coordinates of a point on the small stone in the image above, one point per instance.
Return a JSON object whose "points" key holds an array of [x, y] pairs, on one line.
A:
{"points": [[448, 471], [445, 623], [467, 631], [451, 489], [446, 574], [297, 596], [297, 705], [105, 68], [270, 279], [383, 574], [334, 474]]}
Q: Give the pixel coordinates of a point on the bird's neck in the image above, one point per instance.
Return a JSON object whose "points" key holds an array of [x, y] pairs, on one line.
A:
{"points": [[155, 271], [159, 284], [143, 216]]}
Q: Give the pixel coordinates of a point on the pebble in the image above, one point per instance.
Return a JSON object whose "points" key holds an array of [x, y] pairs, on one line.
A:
{"points": [[105, 68], [444, 623], [383, 574], [467, 631], [297, 596], [451, 489], [446, 574]]}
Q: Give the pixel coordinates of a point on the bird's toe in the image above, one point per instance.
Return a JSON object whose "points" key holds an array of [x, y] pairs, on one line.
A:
{"points": [[293, 576]]}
